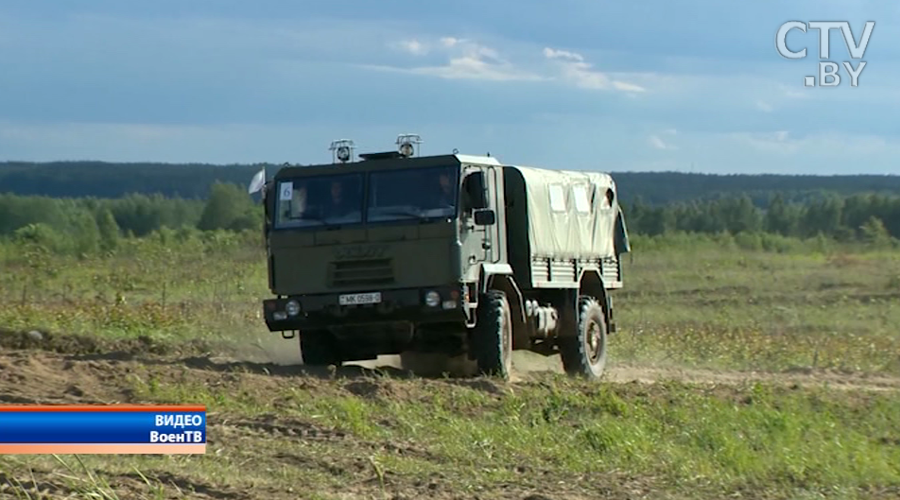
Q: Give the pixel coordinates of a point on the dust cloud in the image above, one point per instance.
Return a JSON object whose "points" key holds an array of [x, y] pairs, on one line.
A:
{"points": [[272, 348]]}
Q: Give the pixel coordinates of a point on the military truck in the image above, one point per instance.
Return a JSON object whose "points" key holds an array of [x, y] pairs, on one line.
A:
{"points": [[455, 254]]}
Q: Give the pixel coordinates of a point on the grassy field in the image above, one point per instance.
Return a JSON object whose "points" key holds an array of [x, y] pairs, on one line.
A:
{"points": [[707, 303], [774, 327]]}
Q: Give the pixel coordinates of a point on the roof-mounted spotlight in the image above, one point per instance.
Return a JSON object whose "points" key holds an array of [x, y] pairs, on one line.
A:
{"points": [[341, 150], [407, 144]]}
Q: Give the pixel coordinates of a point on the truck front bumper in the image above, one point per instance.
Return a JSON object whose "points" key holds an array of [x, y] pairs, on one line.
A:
{"points": [[410, 305]]}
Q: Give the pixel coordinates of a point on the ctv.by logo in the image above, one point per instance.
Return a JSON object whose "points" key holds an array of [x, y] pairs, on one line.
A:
{"points": [[829, 71]]}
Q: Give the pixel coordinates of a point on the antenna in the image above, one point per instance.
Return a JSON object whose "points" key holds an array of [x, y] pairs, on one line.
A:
{"points": [[405, 144], [341, 150]]}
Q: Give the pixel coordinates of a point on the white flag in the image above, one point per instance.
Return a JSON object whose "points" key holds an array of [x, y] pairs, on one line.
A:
{"points": [[259, 180]]}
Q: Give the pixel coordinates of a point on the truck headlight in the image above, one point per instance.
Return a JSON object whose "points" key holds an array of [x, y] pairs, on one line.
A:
{"points": [[432, 299], [292, 307]]}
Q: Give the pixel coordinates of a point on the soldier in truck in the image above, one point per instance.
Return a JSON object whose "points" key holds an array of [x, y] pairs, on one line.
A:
{"points": [[337, 205], [446, 196], [297, 206]]}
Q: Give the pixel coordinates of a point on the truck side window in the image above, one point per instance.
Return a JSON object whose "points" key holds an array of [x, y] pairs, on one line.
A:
{"points": [[582, 203], [557, 198], [474, 192], [607, 200]]}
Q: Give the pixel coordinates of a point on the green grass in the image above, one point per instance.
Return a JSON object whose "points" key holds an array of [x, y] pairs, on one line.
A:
{"points": [[199, 286], [703, 301], [731, 308], [712, 302], [694, 441]]}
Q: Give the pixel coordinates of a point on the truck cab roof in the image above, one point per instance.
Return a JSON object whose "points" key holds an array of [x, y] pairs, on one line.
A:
{"points": [[387, 160]]}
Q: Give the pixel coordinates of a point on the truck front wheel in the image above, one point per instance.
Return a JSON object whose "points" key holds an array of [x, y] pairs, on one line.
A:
{"points": [[318, 348], [584, 354], [492, 337]]}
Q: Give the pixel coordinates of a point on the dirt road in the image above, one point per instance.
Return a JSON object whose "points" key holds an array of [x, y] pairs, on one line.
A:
{"points": [[63, 370]]}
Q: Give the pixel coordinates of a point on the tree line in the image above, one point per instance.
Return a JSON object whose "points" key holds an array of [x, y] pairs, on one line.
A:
{"points": [[194, 182], [88, 225], [860, 217]]}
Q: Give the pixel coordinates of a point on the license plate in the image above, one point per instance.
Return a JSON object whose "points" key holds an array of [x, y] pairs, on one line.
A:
{"points": [[360, 298]]}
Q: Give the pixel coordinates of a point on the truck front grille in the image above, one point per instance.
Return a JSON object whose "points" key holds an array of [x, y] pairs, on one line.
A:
{"points": [[359, 273]]}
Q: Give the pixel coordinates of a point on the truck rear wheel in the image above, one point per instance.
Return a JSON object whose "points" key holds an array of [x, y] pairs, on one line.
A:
{"points": [[318, 348], [584, 354], [492, 337]]}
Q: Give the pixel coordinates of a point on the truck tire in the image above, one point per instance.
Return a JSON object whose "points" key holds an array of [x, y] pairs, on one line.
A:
{"points": [[584, 354], [492, 337], [317, 348]]}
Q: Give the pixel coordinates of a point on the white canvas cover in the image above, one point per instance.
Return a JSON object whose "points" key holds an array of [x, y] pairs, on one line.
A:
{"points": [[569, 215]]}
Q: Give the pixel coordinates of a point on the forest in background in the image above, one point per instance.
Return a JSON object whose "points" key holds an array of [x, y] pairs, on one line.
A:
{"points": [[194, 181], [86, 207]]}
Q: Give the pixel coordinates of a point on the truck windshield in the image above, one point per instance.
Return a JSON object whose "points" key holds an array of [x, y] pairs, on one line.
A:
{"points": [[412, 194], [317, 201]]}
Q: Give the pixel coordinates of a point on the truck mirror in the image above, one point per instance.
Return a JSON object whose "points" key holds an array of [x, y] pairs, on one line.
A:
{"points": [[485, 217], [475, 191]]}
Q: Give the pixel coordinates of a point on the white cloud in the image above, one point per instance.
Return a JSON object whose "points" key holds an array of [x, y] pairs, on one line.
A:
{"points": [[468, 60], [475, 68], [575, 70], [449, 41], [764, 106], [413, 46], [562, 54], [656, 141]]}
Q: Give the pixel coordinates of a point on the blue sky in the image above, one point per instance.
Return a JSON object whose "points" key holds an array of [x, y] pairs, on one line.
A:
{"points": [[692, 85]]}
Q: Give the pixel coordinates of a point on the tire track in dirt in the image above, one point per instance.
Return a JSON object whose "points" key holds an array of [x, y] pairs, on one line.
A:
{"points": [[106, 374], [528, 364], [91, 368], [43, 483], [36, 376], [833, 380], [273, 426]]}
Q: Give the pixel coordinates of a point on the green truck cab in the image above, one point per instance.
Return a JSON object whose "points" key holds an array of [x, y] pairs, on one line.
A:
{"points": [[450, 254]]}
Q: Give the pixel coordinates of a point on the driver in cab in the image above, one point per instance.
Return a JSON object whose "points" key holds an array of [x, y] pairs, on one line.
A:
{"points": [[445, 196], [337, 204]]}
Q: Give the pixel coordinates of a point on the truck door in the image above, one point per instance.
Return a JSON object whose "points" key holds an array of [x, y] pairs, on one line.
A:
{"points": [[495, 202], [481, 190]]}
